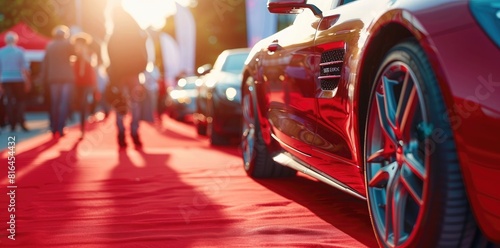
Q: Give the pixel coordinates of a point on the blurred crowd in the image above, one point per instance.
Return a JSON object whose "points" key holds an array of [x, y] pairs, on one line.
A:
{"points": [[77, 81]]}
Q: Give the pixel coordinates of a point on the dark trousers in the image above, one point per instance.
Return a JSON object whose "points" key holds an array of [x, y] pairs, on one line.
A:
{"points": [[16, 102], [60, 95], [3, 110], [83, 95]]}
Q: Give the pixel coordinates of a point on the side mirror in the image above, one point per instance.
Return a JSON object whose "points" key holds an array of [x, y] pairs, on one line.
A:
{"points": [[204, 69], [291, 7]]}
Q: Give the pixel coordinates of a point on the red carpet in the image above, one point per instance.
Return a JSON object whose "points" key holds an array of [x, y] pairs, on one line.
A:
{"points": [[177, 191]]}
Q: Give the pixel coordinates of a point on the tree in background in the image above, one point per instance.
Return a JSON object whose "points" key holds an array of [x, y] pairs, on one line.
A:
{"points": [[220, 25], [41, 15]]}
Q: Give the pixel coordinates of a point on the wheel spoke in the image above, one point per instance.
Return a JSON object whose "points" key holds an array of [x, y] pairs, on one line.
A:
{"points": [[384, 121], [380, 156], [407, 105], [380, 179], [383, 176], [411, 185], [398, 203], [390, 101], [415, 166], [390, 172]]}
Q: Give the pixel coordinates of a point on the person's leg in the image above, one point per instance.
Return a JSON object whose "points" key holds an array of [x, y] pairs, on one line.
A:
{"points": [[55, 102], [120, 115], [20, 95], [135, 110], [86, 105], [79, 94], [65, 97], [11, 104], [121, 130], [136, 93], [3, 111]]}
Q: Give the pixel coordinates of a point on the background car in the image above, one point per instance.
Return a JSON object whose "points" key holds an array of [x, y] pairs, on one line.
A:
{"points": [[182, 98], [218, 105], [393, 101]]}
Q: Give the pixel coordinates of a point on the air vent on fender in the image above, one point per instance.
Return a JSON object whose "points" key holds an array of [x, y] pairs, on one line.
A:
{"points": [[330, 68]]}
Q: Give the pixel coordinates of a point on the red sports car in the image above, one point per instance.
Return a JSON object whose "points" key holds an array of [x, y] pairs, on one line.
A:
{"points": [[393, 101]]}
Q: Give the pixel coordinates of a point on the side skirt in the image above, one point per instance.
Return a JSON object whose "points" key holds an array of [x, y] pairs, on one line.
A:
{"points": [[286, 159]]}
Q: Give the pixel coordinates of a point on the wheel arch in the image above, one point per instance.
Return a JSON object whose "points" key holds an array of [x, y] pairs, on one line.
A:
{"points": [[382, 41], [261, 107]]}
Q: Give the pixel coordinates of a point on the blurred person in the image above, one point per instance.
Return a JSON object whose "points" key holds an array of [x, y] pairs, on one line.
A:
{"points": [[128, 59], [14, 75], [102, 82], [152, 76], [3, 111], [58, 73], [85, 76], [162, 97]]}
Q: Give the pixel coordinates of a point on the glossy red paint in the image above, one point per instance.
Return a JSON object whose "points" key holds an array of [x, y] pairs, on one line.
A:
{"points": [[324, 128]]}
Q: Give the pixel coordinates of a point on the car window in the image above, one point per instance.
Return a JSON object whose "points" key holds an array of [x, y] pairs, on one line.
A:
{"points": [[234, 62]]}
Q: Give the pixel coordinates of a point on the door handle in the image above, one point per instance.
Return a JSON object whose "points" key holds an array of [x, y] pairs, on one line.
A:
{"points": [[274, 46]]}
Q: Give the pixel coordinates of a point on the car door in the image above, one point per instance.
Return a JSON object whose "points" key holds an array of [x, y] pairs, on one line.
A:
{"points": [[337, 40], [289, 68]]}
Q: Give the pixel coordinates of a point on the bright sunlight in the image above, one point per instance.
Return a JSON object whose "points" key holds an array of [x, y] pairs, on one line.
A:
{"points": [[151, 13]]}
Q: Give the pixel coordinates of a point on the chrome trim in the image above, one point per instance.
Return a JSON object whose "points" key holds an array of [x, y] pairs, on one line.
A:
{"points": [[328, 93], [328, 77], [286, 160], [335, 156], [288, 146], [331, 63]]}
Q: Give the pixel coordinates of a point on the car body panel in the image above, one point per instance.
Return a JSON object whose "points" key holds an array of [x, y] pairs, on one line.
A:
{"points": [[474, 100], [334, 150], [286, 75]]}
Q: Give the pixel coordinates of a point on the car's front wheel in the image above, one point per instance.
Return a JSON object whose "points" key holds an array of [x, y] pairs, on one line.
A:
{"points": [[257, 159], [415, 191], [216, 139]]}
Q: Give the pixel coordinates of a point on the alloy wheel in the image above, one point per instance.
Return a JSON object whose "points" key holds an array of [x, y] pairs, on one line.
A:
{"points": [[248, 134], [396, 158]]}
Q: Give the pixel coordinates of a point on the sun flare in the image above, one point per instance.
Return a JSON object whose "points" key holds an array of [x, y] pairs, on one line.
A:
{"points": [[150, 13]]}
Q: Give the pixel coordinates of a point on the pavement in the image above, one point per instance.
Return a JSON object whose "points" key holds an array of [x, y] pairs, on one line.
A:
{"points": [[37, 123]]}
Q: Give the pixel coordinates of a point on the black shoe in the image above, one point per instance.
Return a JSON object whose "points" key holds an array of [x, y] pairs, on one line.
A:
{"points": [[137, 141], [121, 140]]}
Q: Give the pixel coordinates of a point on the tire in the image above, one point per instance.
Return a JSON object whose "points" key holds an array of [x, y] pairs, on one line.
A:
{"points": [[216, 138], [201, 129], [257, 161], [201, 126], [416, 195], [176, 115]]}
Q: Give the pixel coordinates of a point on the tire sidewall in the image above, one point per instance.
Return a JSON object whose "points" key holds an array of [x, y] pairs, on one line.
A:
{"points": [[249, 82]]}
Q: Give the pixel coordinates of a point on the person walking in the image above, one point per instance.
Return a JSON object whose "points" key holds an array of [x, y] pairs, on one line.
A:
{"points": [[15, 78], [58, 73], [85, 76], [128, 59]]}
